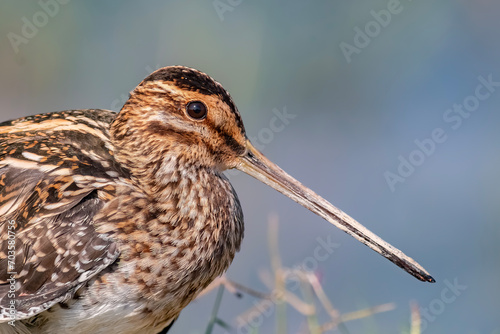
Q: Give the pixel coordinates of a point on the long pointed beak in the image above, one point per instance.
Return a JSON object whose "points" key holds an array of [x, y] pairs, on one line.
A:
{"points": [[257, 165]]}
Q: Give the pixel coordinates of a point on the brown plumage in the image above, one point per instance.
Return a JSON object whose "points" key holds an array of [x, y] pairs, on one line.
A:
{"points": [[115, 222]]}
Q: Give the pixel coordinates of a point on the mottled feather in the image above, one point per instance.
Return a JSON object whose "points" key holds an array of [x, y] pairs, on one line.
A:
{"points": [[52, 178]]}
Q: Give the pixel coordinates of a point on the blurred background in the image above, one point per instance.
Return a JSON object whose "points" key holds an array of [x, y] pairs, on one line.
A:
{"points": [[339, 94]]}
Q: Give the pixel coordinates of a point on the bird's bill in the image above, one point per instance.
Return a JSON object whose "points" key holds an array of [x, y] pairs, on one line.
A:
{"points": [[257, 165]]}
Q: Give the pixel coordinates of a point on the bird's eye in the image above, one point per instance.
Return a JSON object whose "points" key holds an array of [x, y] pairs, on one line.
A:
{"points": [[196, 110]]}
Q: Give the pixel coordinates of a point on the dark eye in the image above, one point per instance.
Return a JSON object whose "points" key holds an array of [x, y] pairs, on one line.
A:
{"points": [[196, 110]]}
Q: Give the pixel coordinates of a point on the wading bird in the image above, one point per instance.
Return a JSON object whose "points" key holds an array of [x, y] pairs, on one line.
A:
{"points": [[114, 222]]}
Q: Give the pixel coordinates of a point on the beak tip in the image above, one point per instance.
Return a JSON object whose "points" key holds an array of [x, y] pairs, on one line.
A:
{"points": [[428, 278]]}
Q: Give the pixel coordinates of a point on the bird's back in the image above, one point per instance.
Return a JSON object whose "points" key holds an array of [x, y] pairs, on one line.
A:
{"points": [[56, 172]]}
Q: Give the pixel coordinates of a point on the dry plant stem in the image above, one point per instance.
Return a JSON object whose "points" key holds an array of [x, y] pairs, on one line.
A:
{"points": [[278, 272], [233, 287], [307, 292], [318, 290], [367, 312], [240, 287], [415, 318], [291, 298], [244, 318], [215, 310], [215, 283], [359, 315]]}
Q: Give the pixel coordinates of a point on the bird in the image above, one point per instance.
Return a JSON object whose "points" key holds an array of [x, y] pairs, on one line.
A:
{"points": [[114, 222]]}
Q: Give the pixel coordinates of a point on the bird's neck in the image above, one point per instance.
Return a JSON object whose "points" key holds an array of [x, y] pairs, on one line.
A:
{"points": [[183, 219], [184, 225], [197, 201]]}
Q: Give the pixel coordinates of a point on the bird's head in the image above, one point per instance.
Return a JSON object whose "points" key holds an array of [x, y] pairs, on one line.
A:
{"points": [[179, 112], [179, 117]]}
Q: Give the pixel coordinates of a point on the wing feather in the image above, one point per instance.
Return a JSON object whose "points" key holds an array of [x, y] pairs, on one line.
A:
{"points": [[56, 173]]}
